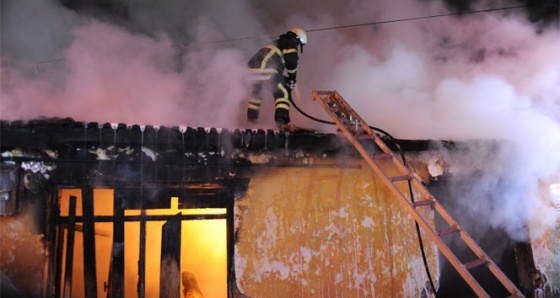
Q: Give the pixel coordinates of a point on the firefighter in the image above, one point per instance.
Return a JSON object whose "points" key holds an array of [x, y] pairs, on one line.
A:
{"points": [[267, 67]]}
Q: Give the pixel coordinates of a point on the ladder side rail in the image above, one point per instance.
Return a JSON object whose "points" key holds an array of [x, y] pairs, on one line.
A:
{"points": [[446, 251]]}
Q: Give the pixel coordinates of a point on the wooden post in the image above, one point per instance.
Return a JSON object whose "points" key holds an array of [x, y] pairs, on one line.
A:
{"points": [[116, 282], [70, 248], [90, 275], [52, 231], [230, 244], [142, 256], [170, 267]]}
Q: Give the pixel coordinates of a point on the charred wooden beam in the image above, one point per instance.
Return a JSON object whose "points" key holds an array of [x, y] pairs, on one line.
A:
{"points": [[136, 218], [90, 272], [170, 266], [116, 281], [70, 248], [141, 288]]}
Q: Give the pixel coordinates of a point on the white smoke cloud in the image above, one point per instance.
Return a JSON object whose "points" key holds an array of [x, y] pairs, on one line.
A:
{"points": [[481, 76], [109, 73]]}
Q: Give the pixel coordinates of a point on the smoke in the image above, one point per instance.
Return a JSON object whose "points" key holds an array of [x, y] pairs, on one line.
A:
{"points": [[484, 76], [115, 71]]}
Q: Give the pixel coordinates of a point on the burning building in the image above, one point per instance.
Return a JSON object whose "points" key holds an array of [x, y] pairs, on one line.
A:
{"points": [[95, 209], [127, 168]]}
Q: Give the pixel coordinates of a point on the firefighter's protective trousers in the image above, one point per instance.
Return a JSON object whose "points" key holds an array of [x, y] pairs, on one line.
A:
{"points": [[280, 90]]}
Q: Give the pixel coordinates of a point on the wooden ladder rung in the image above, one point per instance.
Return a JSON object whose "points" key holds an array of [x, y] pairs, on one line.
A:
{"points": [[379, 156], [422, 203], [400, 178], [475, 263], [448, 231]]}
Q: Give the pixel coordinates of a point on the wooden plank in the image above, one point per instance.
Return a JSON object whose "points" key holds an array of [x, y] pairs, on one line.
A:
{"points": [[230, 243], [70, 248], [527, 271], [170, 266], [136, 218], [116, 282], [52, 215], [142, 256], [90, 272], [58, 259]]}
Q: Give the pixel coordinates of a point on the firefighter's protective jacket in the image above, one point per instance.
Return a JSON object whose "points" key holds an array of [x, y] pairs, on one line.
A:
{"points": [[273, 58]]}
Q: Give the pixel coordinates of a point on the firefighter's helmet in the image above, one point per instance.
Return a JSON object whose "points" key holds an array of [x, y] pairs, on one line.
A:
{"points": [[301, 36]]}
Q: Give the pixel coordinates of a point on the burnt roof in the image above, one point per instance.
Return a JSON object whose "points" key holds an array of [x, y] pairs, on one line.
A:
{"points": [[174, 159], [204, 167], [66, 134]]}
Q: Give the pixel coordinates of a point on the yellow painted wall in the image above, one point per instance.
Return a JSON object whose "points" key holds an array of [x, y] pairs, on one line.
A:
{"points": [[327, 232]]}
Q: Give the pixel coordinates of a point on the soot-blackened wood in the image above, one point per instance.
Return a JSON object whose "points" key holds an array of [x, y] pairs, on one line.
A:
{"points": [[71, 228], [201, 139], [526, 269], [142, 256], [117, 263], [258, 140], [16, 135], [188, 137], [281, 140], [213, 140], [230, 232], [170, 266], [271, 140], [237, 139], [90, 275], [51, 219], [150, 136], [135, 136], [225, 141], [122, 134], [77, 139], [58, 259], [107, 136], [163, 139]]}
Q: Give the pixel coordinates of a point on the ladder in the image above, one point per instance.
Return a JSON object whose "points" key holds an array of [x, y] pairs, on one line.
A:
{"points": [[355, 129]]}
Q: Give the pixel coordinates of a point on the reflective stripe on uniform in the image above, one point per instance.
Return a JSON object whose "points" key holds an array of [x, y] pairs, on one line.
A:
{"points": [[254, 103], [262, 77], [282, 103], [273, 50], [288, 51], [263, 73]]}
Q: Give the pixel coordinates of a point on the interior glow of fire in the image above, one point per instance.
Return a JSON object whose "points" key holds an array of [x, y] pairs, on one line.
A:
{"points": [[203, 247]]}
